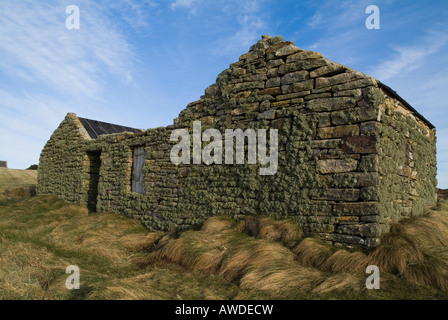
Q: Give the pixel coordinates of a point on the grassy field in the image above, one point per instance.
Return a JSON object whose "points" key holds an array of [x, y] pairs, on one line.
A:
{"points": [[224, 259], [17, 178]]}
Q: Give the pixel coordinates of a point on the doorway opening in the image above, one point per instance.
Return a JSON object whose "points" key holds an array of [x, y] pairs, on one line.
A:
{"points": [[93, 173]]}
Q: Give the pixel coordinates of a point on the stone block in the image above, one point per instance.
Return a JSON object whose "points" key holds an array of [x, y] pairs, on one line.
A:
{"points": [[370, 219], [269, 114], [339, 194], [337, 165], [250, 56], [325, 144], [359, 144], [337, 79], [289, 67], [273, 82], [297, 101], [207, 120], [328, 70], [278, 124], [347, 220], [338, 132], [361, 83], [324, 120], [369, 128], [212, 90], [349, 239], [255, 77], [355, 209], [356, 115], [298, 87], [367, 230], [280, 104], [249, 86], [304, 55], [293, 95], [355, 179], [294, 77], [330, 104], [318, 96], [369, 194], [356, 93], [272, 72], [273, 91], [287, 50], [274, 63]]}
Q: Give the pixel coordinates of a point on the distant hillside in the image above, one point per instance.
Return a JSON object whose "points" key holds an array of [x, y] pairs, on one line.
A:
{"points": [[17, 178]]}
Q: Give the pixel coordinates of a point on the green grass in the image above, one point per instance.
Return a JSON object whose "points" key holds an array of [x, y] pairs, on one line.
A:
{"points": [[253, 259]]}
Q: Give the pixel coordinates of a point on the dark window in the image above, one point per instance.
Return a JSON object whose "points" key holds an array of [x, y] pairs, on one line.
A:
{"points": [[138, 160]]}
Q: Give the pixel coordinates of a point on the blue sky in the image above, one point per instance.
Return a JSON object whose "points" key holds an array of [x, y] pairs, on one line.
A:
{"points": [[139, 63]]}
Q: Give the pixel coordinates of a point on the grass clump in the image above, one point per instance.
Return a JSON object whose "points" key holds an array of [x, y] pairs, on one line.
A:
{"points": [[273, 256], [254, 258]]}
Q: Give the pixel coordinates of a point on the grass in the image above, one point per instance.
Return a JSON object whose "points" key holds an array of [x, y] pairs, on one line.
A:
{"points": [[273, 257], [40, 236], [257, 258], [17, 178]]}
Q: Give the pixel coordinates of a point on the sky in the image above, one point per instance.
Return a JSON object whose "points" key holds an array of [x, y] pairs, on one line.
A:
{"points": [[139, 63]]}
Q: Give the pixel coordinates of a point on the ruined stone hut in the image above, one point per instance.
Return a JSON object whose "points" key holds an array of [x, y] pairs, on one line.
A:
{"points": [[353, 156]]}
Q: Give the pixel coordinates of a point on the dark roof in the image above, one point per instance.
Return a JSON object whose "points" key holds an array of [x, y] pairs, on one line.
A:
{"points": [[96, 128], [407, 105]]}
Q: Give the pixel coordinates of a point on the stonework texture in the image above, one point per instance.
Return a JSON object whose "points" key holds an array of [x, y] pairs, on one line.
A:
{"points": [[353, 157]]}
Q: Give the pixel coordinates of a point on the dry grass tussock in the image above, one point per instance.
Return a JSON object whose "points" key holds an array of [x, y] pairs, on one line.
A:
{"points": [[265, 254], [222, 247], [256, 258]]}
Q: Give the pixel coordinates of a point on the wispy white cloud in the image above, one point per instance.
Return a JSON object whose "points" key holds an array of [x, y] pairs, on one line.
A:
{"points": [[137, 14], [334, 16], [185, 4], [418, 72], [251, 21], [338, 28], [36, 43], [315, 20], [26, 124], [181, 3], [48, 70], [408, 58]]}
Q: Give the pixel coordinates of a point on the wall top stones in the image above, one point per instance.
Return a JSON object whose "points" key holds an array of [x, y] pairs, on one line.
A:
{"points": [[279, 72]]}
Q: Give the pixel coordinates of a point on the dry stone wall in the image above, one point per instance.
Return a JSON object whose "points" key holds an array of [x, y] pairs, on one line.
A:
{"points": [[346, 148], [407, 165]]}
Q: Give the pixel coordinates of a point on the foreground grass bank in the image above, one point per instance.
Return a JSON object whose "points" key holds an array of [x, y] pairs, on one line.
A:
{"points": [[253, 259]]}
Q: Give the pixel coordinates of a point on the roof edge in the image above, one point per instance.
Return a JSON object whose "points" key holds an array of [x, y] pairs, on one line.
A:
{"points": [[393, 93]]}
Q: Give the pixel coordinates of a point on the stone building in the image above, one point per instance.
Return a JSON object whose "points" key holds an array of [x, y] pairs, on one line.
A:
{"points": [[3, 164], [353, 156]]}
